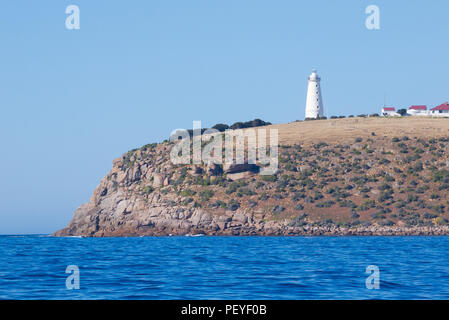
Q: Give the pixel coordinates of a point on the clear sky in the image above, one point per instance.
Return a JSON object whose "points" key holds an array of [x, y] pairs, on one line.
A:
{"points": [[73, 100]]}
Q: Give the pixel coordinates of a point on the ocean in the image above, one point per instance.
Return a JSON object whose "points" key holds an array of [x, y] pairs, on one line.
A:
{"points": [[34, 267]]}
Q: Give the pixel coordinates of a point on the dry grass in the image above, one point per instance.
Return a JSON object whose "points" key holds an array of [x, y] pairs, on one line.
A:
{"points": [[345, 130]]}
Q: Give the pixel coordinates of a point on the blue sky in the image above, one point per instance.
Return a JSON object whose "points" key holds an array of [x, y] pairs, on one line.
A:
{"points": [[73, 100]]}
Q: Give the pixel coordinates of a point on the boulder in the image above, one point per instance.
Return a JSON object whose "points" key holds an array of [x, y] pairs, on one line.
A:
{"points": [[158, 180], [240, 175], [240, 217]]}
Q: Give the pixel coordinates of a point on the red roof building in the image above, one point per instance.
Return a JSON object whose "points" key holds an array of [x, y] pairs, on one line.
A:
{"points": [[441, 107], [421, 108], [389, 112]]}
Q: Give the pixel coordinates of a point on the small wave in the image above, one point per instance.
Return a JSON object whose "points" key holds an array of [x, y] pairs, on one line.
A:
{"points": [[77, 237]]}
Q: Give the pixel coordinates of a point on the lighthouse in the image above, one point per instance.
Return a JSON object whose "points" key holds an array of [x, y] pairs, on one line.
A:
{"points": [[314, 102]]}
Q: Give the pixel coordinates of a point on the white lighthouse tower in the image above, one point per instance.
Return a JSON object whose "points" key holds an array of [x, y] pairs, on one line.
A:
{"points": [[314, 103]]}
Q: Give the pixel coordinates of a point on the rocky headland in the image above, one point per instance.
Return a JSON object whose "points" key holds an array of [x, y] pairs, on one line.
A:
{"points": [[356, 176]]}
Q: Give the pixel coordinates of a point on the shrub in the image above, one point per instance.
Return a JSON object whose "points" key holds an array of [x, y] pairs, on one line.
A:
{"points": [[246, 192], [148, 189], [188, 193], [220, 127], [354, 215], [269, 178], [367, 204], [386, 223], [298, 221], [199, 180], [205, 195], [290, 167], [384, 186], [165, 191], [417, 167], [233, 205], [384, 196], [249, 124], [378, 215], [440, 176], [277, 209], [298, 195], [149, 147], [218, 204], [429, 215], [259, 185], [325, 204], [329, 190], [440, 221], [347, 204], [264, 196]]}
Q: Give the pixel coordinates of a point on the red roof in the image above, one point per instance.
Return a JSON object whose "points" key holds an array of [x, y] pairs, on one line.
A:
{"points": [[418, 108], [388, 109], [444, 106]]}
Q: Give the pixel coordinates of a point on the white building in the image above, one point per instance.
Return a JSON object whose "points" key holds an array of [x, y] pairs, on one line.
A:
{"points": [[314, 102], [389, 112], [440, 111], [418, 111]]}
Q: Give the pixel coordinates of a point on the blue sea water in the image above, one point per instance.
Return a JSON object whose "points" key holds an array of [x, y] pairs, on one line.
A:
{"points": [[33, 267]]}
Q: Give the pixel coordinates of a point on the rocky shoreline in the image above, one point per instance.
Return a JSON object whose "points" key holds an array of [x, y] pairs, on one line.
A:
{"points": [[181, 222], [306, 231]]}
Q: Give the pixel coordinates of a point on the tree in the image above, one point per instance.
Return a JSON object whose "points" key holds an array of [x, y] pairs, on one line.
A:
{"points": [[402, 112], [220, 127]]}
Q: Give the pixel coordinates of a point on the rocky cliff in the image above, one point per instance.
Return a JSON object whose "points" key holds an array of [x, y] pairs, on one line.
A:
{"points": [[365, 182]]}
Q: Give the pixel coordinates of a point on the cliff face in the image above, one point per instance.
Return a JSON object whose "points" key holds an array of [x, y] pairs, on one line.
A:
{"points": [[372, 184], [144, 194]]}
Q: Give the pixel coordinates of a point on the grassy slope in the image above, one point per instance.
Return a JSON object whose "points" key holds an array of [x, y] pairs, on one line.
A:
{"points": [[344, 130]]}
